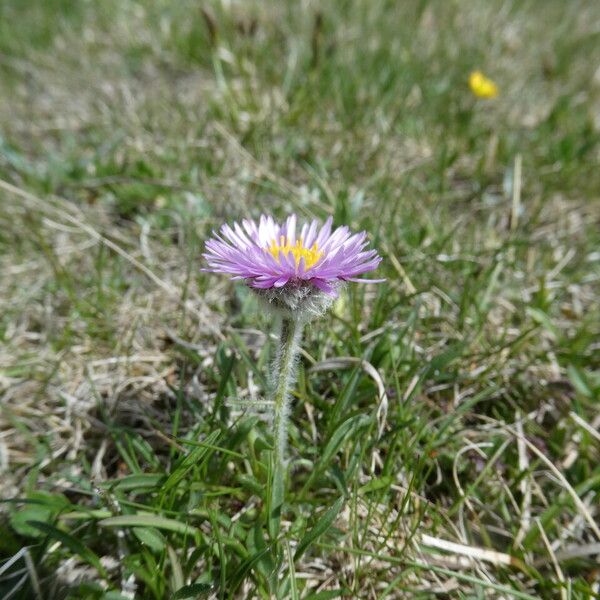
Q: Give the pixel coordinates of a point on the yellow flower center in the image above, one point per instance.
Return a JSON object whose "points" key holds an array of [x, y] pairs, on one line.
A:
{"points": [[310, 255]]}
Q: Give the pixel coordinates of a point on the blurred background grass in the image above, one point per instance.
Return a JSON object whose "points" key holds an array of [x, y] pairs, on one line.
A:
{"points": [[129, 130]]}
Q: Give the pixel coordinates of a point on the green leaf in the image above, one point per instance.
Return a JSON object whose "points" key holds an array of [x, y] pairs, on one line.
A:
{"points": [[195, 458], [540, 317], [328, 594], [376, 484], [72, 543], [114, 596], [145, 520], [276, 498], [134, 482], [322, 525], [195, 590], [177, 580], [39, 506], [256, 543], [225, 364], [442, 360], [350, 425], [151, 537], [345, 398], [83, 514], [251, 484], [244, 568], [579, 381]]}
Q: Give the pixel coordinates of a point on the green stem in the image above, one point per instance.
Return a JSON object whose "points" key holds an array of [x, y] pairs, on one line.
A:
{"points": [[284, 370]]}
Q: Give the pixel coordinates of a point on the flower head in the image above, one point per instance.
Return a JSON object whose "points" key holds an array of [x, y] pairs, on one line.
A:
{"points": [[296, 262], [481, 86]]}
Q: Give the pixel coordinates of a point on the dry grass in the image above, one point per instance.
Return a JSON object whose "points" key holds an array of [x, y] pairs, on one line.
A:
{"points": [[130, 130]]}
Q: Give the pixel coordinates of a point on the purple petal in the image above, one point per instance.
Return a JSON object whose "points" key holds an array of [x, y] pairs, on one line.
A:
{"points": [[242, 252]]}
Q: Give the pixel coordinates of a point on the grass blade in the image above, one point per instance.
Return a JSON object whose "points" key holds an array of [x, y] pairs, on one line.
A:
{"points": [[150, 521], [72, 543], [322, 525]]}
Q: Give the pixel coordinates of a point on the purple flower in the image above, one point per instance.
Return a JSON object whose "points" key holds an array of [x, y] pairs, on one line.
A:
{"points": [[268, 255]]}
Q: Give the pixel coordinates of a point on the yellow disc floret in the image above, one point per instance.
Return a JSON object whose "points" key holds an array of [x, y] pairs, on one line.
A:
{"points": [[310, 255]]}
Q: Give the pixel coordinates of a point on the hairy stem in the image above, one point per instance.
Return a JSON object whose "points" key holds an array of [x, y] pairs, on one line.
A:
{"points": [[283, 377]]}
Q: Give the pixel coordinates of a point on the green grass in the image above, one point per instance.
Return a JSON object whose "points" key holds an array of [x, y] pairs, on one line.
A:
{"points": [[130, 130]]}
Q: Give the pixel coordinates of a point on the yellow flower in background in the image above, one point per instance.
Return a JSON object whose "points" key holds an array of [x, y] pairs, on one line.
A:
{"points": [[481, 86]]}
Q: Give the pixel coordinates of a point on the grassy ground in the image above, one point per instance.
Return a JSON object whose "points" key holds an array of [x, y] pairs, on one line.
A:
{"points": [[129, 130]]}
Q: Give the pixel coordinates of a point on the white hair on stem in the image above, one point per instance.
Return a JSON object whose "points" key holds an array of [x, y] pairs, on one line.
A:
{"points": [[282, 379]]}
